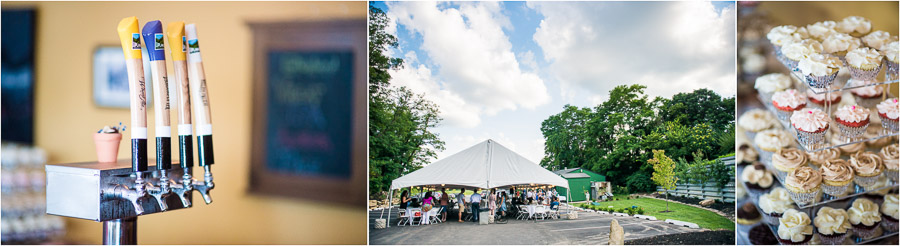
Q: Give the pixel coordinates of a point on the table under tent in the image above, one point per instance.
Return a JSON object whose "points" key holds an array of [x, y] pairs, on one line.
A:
{"points": [[485, 165]]}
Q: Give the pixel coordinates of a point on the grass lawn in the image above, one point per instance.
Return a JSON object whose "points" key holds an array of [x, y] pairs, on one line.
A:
{"points": [[703, 218]]}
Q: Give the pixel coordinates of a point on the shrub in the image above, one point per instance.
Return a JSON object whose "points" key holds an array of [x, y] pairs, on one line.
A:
{"points": [[640, 211], [621, 210], [639, 182]]}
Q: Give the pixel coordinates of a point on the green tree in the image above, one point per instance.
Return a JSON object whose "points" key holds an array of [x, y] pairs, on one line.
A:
{"points": [[401, 139], [663, 172], [565, 138]]}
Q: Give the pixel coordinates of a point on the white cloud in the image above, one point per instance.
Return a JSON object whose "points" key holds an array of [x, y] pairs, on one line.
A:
{"points": [[475, 72], [670, 46]]}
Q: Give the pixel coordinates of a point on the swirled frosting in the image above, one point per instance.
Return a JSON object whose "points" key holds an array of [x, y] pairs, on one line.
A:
{"points": [[756, 120], [809, 119], [772, 139], [794, 225], [836, 170], [854, 23], [804, 178], [830, 221], [864, 58], [891, 51], [865, 91], [821, 29], [864, 211], [757, 174], [781, 35], [776, 201], [799, 50], [890, 156], [789, 158], [866, 163], [840, 42], [789, 98], [877, 38], [819, 157], [889, 108], [889, 207], [819, 65], [821, 97], [852, 113], [746, 154], [772, 82]]}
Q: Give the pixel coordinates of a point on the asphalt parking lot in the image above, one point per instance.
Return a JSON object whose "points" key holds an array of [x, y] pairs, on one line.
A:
{"points": [[589, 228]]}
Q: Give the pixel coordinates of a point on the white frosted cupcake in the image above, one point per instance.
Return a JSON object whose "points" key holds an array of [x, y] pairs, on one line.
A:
{"points": [[891, 52], [852, 120], [768, 84], [794, 228], [821, 30], [780, 36], [836, 177], [854, 25], [811, 124], [890, 155], [839, 44], [756, 120], [746, 154], [888, 112], [832, 225], [864, 217], [866, 96], [878, 38], [804, 185], [796, 51], [786, 102], [774, 204], [867, 167], [820, 70], [771, 141], [889, 212], [757, 179], [864, 63]]}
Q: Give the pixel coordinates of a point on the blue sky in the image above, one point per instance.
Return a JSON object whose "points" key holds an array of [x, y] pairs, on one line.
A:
{"points": [[498, 69]]}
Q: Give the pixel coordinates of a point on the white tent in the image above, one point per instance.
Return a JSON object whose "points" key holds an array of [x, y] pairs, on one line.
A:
{"points": [[485, 165]]}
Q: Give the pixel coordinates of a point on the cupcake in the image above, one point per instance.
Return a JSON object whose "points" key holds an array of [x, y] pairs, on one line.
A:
{"points": [[866, 95], [836, 177], [768, 84], [864, 63], [756, 120], [889, 213], [855, 26], [867, 166], [762, 235], [803, 184], [819, 157], [864, 217], [849, 148], [774, 203], [794, 228], [786, 102], [746, 155], [876, 192], [891, 52], [875, 131], [795, 51], [811, 125], [771, 141], [786, 160], [888, 112], [747, 216], [878, 38], [890, 157], [852, 120], [739, 192], [819, 100], [839, 44], [820, 70], [821, 30], [832, 225], [757, 179], [780, 36]]}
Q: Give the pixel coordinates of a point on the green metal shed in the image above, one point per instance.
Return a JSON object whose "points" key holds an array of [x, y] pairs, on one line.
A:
{"points": [[579, 181]]}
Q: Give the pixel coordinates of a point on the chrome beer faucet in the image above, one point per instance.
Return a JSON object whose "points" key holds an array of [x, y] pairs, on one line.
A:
{"points": [[134, 194]]}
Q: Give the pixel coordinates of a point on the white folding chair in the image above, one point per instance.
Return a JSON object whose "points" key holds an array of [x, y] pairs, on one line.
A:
{"points": [[416, 214], [404, 218], [523, 212], [433, 215]]}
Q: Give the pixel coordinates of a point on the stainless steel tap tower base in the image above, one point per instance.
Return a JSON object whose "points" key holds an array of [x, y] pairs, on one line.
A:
{"points": [[120, 231]]}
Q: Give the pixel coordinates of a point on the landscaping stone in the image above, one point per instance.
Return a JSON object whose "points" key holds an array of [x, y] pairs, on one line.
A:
{"points": [[620, 214], [646, 217], [682, 223], [616, 233], [380, 223], [707, 202], [603, 212]]}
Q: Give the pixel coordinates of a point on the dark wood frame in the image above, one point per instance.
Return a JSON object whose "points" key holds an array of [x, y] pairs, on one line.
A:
{"points": [[311, 36]]}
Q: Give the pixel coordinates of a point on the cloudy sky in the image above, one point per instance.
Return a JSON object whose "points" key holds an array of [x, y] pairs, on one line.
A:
{"points": [[498, 69]]}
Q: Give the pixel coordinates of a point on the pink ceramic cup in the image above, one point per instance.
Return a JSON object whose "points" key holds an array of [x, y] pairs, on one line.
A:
{"points": [[107, 146]]}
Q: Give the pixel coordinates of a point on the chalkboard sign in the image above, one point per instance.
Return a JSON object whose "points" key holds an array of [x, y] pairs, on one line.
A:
{"points": [[309, 112]]}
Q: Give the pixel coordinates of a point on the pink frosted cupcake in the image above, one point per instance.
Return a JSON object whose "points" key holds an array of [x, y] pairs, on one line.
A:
{"points": [[864, 217], [866, 96], [888, 111], [820, 101], [852, 120], [786, 102], [811, 125]]}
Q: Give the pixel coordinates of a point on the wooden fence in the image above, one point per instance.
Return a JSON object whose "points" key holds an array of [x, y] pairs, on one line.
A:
{"points": [[708, 190]]}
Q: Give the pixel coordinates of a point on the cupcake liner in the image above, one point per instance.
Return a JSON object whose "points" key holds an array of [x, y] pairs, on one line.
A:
{"points": [[835, 190], [821, 82], [811, 138], [848, 132], [837, 239], [892, 70], [865, 233], [865, 181], [864, 74], [784, 115], [791, 64], [888, 225], [889, 125], [803, 198]]}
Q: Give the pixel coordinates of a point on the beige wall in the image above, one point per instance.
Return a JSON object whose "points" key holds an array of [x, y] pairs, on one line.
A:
{"points": [[65, 117]]}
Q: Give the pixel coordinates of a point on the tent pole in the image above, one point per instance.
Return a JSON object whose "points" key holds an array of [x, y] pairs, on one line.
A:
{"points": [[390, 206], [568, 200]]}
